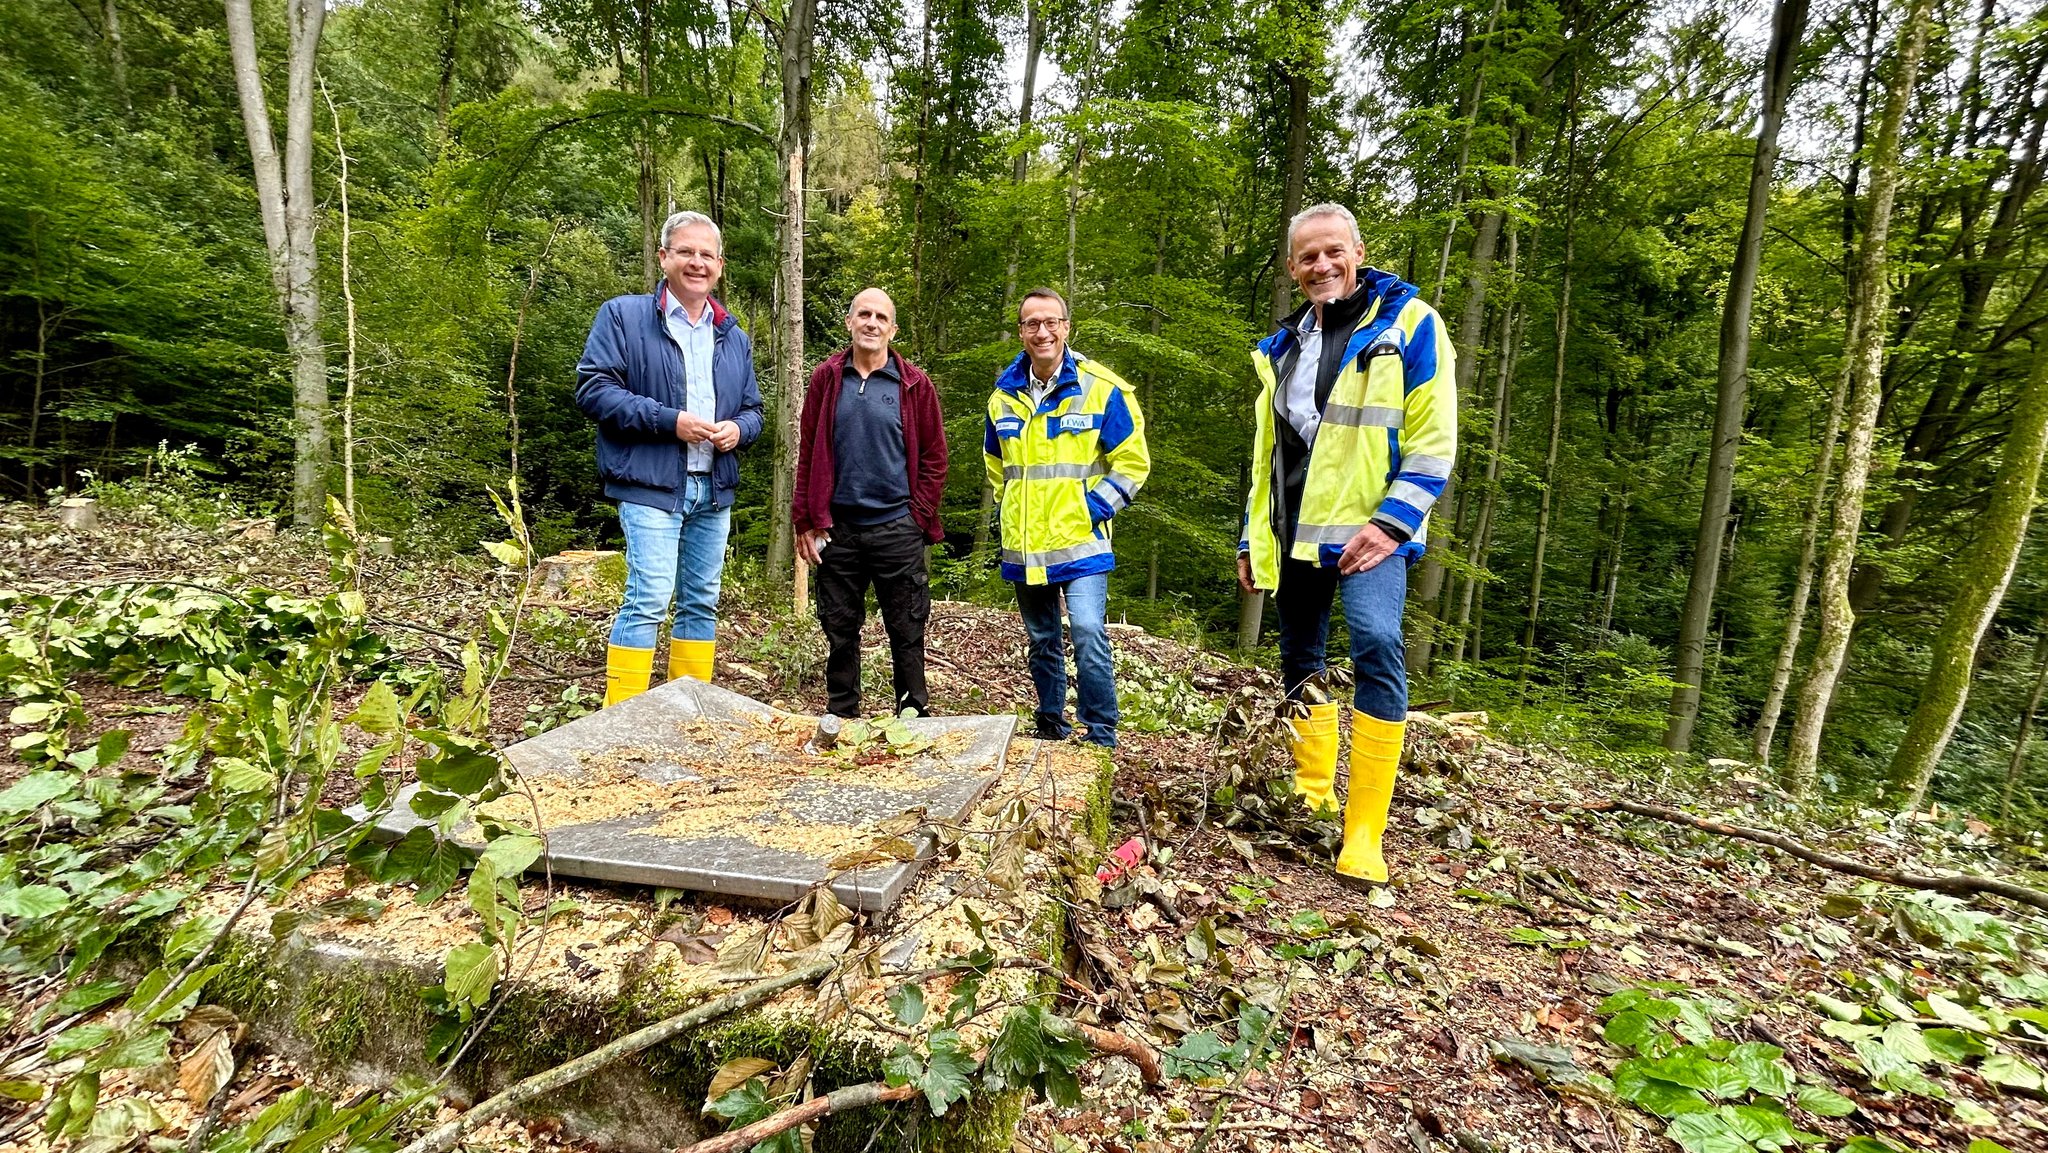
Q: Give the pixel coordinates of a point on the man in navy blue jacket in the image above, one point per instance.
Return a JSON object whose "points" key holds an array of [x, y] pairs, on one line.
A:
{"points": [[669, 378]]}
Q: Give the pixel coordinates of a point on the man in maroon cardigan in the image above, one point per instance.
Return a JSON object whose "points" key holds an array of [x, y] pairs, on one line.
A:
{"points": [[870, 468]]}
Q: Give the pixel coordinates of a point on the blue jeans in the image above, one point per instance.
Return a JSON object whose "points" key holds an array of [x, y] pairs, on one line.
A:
{"points": [[1373, 601], [673, 557], [1087, 609]]}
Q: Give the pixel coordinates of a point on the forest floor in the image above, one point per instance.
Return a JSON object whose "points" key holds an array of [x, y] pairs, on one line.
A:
{"points": [[1483, 1001]]}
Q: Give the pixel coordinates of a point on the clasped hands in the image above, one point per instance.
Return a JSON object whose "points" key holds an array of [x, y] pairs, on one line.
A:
{"points": [[723, 435], [1366, 549]]}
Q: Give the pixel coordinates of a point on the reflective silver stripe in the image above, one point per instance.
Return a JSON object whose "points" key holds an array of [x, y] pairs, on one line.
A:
{"points": [[1367, 416], [1051, 471], [1086, 548], [1123, 482], [1111, 495], [1325, 533], [1413, 495], [1426, 465]]}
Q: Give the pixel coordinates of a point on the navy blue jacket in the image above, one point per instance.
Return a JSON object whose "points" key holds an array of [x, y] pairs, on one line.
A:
{"points": [[630, 381]]}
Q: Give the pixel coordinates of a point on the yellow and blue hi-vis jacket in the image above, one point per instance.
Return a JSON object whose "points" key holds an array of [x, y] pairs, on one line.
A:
{"points": [[1063, 469], [1383, 451]]}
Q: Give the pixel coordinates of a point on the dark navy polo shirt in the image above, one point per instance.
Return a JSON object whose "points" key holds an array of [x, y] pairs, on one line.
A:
{"points": [[872, 485]]}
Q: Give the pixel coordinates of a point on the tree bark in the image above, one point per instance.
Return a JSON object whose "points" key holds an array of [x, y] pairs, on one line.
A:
{"points": [[1802, 583], [1020, 170], [1987, 568], [1563, 327], [1872, 300], [1087, 90], [444, 87], [798, 39], [1732, 385], [1471, 118], [348, 304], [117, 55], [643, 151], [2019, 745], [1481, 539], [284, 196], [1251, 606]]}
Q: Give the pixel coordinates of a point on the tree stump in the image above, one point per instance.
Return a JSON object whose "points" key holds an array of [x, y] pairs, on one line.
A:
{"points": [[579, 575], [79, 512]]}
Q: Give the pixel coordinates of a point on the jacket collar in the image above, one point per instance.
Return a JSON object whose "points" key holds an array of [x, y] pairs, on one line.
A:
{"points": [[720, 318], [1018, 375], [836, 363], [1342, 315]]}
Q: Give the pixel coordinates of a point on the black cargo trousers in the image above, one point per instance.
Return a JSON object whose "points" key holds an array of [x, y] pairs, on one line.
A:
{"points": [[892, 558]]}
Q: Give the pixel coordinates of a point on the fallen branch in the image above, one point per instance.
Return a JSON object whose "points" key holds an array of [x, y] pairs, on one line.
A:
{"points": [[815, 1109], [1108, 1042], [446, 1136], [1954, 884]]}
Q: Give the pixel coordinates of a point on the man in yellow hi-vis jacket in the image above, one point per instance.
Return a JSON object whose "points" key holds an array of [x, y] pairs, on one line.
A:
{"points": [[1356, 426], [1064, 443]]}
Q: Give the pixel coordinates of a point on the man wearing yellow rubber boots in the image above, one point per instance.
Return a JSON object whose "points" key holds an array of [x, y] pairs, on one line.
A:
{"points": [[669, 378], [1355, 429]]}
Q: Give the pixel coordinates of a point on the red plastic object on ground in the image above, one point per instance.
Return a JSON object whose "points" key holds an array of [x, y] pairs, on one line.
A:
{"points": [[1122, 861]]}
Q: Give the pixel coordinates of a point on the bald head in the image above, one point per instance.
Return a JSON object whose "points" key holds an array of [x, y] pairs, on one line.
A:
{"points": [[871, 321]]}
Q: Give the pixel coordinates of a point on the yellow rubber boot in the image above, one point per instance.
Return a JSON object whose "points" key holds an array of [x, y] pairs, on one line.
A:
{"points": [[1375, 756], [1313, 740], [626, 672], [691, 659]]}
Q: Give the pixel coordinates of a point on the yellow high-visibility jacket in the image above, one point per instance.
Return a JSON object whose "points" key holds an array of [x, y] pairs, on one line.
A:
{"points": [[1063, 469], [1383, 451]]}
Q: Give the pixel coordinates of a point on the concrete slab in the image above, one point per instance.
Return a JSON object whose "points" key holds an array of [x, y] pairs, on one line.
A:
{"points": [[691, 786]]}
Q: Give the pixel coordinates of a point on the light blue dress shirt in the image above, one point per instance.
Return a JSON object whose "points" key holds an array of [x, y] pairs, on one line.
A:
{"points": [[696, 339], [1298, 398]]}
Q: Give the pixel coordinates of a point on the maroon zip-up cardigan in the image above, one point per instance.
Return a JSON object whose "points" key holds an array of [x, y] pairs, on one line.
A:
{"points": [[924, 446]]}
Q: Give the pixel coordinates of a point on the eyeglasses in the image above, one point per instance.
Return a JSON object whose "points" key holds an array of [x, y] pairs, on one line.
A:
{"points": [[691, 254], [1045, 324]]}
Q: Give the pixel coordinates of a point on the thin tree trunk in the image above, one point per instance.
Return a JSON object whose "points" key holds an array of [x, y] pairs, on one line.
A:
{"points": [[117, 56], [444, 87], [1802, 584], [1987, 569], [1481, 538], [643, 151], [1081, 150], [284, 196], [797, 41], [2019, 746], [1251, 606], [512, 360], [1732, 386], [1020, 170], [348, 303], [1443, 260], [1873, 301], [1563, 327], [1613, 588]]}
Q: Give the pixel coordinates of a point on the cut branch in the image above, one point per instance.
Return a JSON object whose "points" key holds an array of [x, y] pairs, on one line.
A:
{"points": [[815, 1109], [1954, 884], [446, 1136]]}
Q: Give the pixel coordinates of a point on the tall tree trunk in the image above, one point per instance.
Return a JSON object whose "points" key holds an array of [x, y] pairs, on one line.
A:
{"points": [[1481, 538], [1563, 333], [643, 151], [1087, 91], [348, 304], [1987, 568], [1020, 170], [1732, 385], [284, 197], [797, 43], [1020, 167], [117, 55], [444, 87], [1802, 583], [1872, 302], [2019, 745], [1251, 606], [1471, 122]]}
